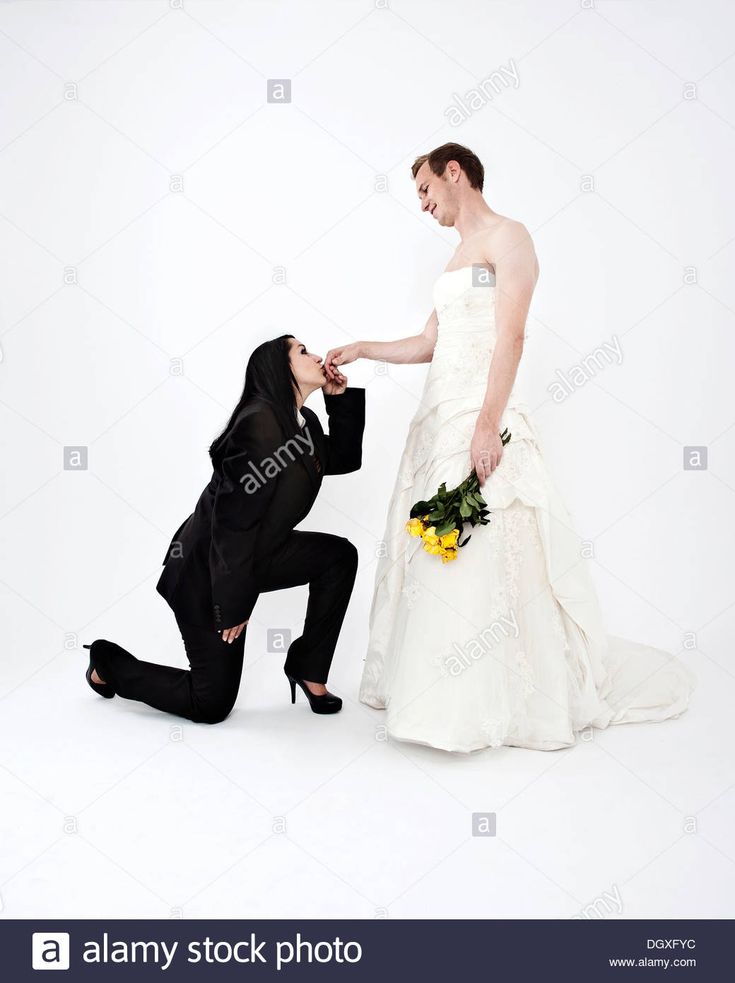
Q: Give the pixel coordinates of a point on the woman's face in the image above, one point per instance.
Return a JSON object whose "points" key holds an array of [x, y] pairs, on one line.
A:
{"points": [[307, 368]]}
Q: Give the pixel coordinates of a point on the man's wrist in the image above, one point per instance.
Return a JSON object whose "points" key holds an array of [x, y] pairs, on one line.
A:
{"points": [[488, 419]]}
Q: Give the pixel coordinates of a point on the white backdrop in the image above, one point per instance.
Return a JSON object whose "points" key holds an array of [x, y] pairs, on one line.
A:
{"points": [[159, 217]]}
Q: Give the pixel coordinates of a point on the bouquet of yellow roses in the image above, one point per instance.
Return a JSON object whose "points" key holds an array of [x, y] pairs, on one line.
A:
{"points": [[440, 520]]}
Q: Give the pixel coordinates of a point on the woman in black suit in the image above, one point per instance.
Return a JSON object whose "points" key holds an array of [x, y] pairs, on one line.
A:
{"points": [[240, 541]]}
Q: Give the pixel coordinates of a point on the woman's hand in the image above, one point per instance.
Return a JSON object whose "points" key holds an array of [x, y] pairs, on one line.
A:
{"points": [[341, 356], [486, 449], [336, 385], [230, 634]]}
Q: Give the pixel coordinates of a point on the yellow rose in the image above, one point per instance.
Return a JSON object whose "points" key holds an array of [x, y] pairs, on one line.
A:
{"points": [[433, 548], [448, 555], [415, 527], [450, 539]]}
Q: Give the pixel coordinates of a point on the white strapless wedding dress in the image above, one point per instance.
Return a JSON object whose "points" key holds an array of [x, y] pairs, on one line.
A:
{"points": [[505, 645]]}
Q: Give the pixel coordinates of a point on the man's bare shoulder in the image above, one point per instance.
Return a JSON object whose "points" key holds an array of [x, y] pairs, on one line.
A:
{"points": [[505, 231], [509, 239]]}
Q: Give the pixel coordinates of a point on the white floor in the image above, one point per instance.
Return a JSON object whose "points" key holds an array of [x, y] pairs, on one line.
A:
{"points": [[111, 808]]}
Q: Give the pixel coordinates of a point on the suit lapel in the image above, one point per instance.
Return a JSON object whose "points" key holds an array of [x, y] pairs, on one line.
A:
{"points": [[314, 463]]}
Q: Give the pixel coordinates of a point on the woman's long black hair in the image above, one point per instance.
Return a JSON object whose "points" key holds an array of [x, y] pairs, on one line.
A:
{"points": [[268, 375]]}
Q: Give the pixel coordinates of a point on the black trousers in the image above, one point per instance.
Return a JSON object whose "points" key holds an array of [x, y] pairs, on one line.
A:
{"points": [[206, 692]]}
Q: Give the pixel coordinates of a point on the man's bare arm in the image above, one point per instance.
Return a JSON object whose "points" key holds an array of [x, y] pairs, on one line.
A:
{"points": [[516, 273], [405, 351]]}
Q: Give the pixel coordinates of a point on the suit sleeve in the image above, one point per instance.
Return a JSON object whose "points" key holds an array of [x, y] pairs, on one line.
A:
{"points": [[240, 503], [346, 425]]}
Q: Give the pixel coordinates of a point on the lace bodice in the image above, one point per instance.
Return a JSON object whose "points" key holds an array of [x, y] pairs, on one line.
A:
{"points": [[465, 305]]}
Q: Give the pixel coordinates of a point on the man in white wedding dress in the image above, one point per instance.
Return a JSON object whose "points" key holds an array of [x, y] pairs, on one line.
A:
{"points": [[506, 645]]}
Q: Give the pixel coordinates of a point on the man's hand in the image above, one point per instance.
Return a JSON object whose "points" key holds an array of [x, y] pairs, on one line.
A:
{"points": [[230, 634], [486, 449], [341, 356]]}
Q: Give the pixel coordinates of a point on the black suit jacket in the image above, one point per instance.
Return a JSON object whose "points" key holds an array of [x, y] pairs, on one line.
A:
{"points": [[265, 485]]}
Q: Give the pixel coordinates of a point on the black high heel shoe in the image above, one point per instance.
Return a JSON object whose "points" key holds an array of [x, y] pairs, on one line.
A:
{"points": [[328, 703], [103, 689]]}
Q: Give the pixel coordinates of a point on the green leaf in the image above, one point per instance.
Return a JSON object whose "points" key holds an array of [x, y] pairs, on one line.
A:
{"points": [[444, 528]]}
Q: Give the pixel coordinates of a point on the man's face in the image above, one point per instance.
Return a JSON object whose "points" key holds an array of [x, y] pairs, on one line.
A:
{"points": [[435, 194]]}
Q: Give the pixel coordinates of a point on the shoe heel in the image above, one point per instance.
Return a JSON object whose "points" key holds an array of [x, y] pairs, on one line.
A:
{"points": [[105, 689], [328, 703]]}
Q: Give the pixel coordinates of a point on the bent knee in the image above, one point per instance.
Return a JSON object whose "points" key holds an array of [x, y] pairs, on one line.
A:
{"points": [[212, 714], [349, 554]]}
